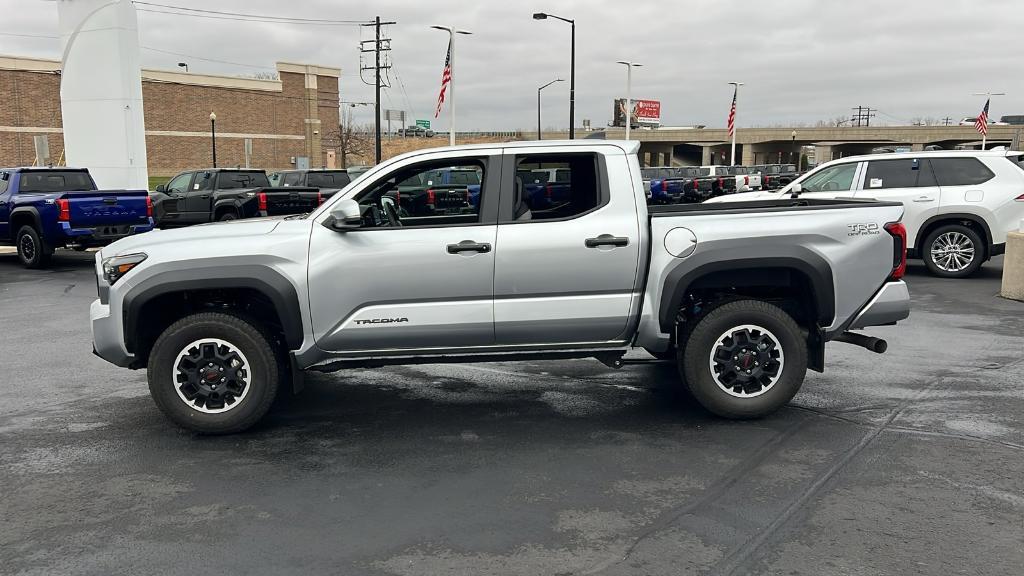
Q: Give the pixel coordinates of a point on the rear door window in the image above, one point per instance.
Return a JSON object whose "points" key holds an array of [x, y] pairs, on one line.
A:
{"points": [[901, 173], [960, 171], [235, 180]]}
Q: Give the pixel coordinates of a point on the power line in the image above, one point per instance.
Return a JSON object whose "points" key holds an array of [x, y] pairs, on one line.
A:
{"points": [[28, 35], [244, 19], [207, 59], [289, 19], [864, 115]]}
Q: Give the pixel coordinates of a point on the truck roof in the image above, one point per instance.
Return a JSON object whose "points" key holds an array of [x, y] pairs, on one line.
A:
{"points": [[44, 168], [628, 146]]}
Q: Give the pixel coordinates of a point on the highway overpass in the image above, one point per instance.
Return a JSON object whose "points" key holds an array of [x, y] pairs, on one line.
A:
{"points": [[701, 146]]}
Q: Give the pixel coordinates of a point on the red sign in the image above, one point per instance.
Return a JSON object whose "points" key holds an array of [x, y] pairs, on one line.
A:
{"points": [[647, 111]]}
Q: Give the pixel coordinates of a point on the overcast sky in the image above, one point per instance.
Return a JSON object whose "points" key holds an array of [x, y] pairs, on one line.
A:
{"points": [[802, 60]]}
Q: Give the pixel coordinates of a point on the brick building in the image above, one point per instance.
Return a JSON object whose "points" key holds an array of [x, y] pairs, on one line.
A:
{"points": [[286, 119]]}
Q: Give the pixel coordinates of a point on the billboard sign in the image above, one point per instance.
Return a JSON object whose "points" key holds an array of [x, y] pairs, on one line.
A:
{"points": [[645, 112]]}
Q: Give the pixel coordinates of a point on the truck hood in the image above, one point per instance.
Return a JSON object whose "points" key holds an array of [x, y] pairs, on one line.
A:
{"points": [[202, 232], [744, 197]]}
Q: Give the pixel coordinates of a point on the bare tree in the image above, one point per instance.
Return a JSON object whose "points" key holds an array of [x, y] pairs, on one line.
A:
{"points": [[353, 142]]}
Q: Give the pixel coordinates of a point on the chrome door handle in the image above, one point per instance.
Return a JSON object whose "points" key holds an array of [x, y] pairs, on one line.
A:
{"points": [[924, 199], [606, 240], [469, 246]]}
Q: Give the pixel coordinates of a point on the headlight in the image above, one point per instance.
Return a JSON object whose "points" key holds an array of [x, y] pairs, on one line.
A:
{"points": [[117, 266]]}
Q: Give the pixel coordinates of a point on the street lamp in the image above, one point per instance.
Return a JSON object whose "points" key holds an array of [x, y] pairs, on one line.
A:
{"points": [[628, 112], [792, 149], [539, 135], [183, 65], [452, 31], [732, 150], [572, 70], [213, 137]]}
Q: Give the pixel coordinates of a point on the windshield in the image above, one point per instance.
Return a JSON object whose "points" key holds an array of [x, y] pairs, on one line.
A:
{"points": [[233, 180], [55, 181], [328, 179]]}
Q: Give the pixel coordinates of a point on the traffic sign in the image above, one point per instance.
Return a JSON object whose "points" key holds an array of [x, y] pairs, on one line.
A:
{"points": [[423, 124]]}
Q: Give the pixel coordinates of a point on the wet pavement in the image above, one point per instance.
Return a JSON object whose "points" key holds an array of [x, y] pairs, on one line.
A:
{"points": [[910, 462]]}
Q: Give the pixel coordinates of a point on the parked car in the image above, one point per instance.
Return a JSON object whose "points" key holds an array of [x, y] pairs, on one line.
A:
{"points": [[327, 181], [217, 194], [672, 185], [225, 316], [776, 175], [42, 209], [416, 132], [960, 204], [744, 178]]}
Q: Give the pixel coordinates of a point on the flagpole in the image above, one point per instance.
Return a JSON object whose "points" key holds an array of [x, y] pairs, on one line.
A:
{"points": [[988, 103], [452, 31], [732, 147]]}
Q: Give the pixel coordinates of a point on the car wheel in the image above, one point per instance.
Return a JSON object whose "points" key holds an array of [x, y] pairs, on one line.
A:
{"points": [[744, 359], [227, 216], [214, 373], [32, 251], [953, 251]]}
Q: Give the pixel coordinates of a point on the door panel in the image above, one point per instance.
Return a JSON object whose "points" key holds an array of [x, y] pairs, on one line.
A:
{"points": [[198, 201], [906, 180], [551, 287], [418, 295]]}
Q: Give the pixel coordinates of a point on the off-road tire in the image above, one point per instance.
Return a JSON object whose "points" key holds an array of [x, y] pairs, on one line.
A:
{"points": [[32, 250], [266, 371], [703, 382]]}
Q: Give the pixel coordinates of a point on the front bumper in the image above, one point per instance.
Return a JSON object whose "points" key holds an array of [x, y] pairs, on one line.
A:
{"points": [[107, 342], [889, 305]]}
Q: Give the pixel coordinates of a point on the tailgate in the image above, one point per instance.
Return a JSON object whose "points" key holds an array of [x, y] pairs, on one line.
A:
{"points": [[290, 200], [107, 208]]}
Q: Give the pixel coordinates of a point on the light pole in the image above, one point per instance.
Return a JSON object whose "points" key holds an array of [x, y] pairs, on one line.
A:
{"points": [[792, 145], [628, 112], [732, 149], [452, 31], [183, 65], [572, 70], [539, 136], [213, 137], [984, 136]]}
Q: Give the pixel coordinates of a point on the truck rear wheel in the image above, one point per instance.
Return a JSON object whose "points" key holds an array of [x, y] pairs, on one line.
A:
{"points": [[32, 251], [744, 359], [214, 373]]}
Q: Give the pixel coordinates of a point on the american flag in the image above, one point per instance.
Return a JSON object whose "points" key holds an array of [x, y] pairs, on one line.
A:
{"points": [[732, 114], [981, 124], [446, 77]]}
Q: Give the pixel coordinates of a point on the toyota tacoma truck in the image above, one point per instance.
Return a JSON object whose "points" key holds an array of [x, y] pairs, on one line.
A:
{"points": [[742, 297], [42, 209], [217, 194], [327, 180]]}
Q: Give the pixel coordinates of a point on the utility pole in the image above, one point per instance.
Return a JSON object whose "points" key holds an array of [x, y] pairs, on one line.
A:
{"points": [[378, 47], [947, 121], [864, 114]]}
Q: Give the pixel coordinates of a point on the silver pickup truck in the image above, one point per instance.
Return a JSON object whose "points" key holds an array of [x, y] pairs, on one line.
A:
{"points": [[743, 297]]}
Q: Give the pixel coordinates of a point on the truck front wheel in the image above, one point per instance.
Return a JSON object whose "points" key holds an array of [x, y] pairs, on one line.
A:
{"points": [[214, 373], [744, 359], [32, 251]]}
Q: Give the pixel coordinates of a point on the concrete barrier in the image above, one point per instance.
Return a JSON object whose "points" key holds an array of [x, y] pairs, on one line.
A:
{"points": [[1013, 266]]}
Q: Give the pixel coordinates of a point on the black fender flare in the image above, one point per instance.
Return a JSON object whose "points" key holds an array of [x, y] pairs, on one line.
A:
{"points": [[272, 284], [953, 216], [32, 211], [799, 258]]}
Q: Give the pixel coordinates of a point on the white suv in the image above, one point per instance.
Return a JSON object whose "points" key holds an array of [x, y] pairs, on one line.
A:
{"points": [[959, 204]]}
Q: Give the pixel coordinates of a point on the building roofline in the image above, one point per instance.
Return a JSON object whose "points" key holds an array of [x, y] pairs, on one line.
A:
{"points": [[308, 69]]}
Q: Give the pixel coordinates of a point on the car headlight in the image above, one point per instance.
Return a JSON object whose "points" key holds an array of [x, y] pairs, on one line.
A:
{"points": [[117, 266]]}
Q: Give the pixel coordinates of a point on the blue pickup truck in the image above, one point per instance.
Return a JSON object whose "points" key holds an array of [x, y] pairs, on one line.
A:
{"points": [[42, 209]]}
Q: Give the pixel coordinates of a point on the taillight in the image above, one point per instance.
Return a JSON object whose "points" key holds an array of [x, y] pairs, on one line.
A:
{"points": [[721, 182], [319, 198], [746, 180], [899, 256], [431, 197], [695, 186], [262, 200], [767, 180], [149, 207], [64, 208], [547, 191], [467, 195]]}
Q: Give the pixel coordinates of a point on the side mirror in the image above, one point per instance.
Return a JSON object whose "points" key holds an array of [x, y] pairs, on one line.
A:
{"points": [[345, 215], [796, 188], [162, 188]]}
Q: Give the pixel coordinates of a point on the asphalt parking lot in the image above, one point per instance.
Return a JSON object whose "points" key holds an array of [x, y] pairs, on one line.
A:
{"points": [[911, 462]]}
